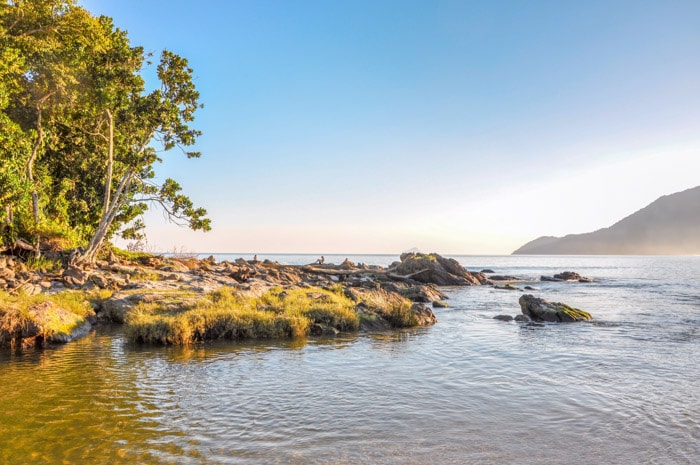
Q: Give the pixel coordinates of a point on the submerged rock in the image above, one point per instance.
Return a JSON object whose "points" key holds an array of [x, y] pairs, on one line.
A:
{"points": [[538, 309], [503, 317]]}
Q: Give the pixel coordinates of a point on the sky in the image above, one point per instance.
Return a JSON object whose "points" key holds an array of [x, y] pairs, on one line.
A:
{"points": [[457, 127]]}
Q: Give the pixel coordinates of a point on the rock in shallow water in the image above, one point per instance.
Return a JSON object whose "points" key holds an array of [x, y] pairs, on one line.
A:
{"points": [[538, 309]]}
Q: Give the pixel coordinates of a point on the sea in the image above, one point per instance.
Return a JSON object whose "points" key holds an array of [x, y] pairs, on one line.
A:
{"points": [[623, 388]]}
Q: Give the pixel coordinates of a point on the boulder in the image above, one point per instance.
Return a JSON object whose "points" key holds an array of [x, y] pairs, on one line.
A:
{"points": [[117, 307], [57, 324], [507, 287], [100, 280], [173, 266], [568, 276], [538, 309], [440, 304], [424, 315], [74, 277], [7, 274], [435, 269], [503, 317], [424, 293], [242, 273]]}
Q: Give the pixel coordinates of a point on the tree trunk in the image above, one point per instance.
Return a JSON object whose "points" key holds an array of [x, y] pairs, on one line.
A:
{"points": [[30, 173], [88, 256], [110, 164]]}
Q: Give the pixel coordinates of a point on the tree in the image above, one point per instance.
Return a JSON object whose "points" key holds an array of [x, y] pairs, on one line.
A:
{"points": [[79, 133], [49, 38], [133, 123]]}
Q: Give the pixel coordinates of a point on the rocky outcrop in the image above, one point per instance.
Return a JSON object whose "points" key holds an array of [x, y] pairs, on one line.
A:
{"points": [[568, 276], [435, 269], [42, 323], [395, 297], [538, 309]]}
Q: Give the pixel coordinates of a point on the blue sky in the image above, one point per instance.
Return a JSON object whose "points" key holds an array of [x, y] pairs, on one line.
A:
{"points": [[450, 126]]}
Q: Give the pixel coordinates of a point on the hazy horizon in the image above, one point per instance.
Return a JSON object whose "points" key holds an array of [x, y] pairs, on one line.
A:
{"points": [[455, 127]]}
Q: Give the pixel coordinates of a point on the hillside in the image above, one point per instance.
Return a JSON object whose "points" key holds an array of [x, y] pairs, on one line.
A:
{"points": [[668, 226]]}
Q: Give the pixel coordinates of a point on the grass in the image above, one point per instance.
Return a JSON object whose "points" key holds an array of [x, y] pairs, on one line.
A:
{"points": [[43, 263], [43, 316], [132, 256], [393, 307], [145, 276], [224, 315]]}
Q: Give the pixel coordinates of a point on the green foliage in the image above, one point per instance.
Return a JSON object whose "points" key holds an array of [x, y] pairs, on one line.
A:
{"points": [[78, 129]]}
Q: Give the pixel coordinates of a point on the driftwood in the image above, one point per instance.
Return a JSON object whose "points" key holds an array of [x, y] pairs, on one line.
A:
{"points": [[20, 245], [346, 273]]}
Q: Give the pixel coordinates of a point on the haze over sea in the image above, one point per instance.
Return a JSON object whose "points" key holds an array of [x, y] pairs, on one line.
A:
{"points": [[623, 388]]}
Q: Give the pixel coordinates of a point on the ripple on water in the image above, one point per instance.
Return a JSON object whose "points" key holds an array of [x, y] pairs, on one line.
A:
{"points": [[622, 389]]}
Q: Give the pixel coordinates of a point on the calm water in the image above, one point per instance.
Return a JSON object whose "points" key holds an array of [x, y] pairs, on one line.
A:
{"points": [[623, 389]]}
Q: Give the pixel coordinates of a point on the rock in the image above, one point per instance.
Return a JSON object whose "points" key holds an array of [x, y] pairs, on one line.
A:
{"points": [[521, 318], [425, 293], [7, 274], [538, 309], [117, 307], [498, 277], [30, 288], [48, 315], [487, 270], [530, 288], [503, 317], [568, 276], [424, 315], [242, 273], [435, 269], [507, 287], [74, 277], [173, 265], [318, 329], [440, 304], [100, 281]]}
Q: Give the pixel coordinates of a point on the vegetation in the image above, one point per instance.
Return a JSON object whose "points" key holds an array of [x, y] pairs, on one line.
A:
{"points": [[79, 130], [224, 315], [42, 316]]}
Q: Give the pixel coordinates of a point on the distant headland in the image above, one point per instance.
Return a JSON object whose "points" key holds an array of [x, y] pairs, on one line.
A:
{"points": [[668, 226]]}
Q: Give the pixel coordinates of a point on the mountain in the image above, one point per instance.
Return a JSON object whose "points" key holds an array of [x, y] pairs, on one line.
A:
{"points": [[668, 226]]}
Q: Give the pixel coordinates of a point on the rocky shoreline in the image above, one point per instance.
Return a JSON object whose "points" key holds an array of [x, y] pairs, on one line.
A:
{"points": [[153, 291]]}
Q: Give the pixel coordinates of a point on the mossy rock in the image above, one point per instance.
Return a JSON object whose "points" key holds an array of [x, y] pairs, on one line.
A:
{"points": [[538, 309]]}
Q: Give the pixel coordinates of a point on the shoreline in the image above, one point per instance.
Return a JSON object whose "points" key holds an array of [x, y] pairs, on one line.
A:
{"points": [[187, 300]]}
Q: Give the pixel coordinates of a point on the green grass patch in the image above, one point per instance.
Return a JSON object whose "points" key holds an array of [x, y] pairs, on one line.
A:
{"points": [[225, 315], [132, 256], [43, 263]]}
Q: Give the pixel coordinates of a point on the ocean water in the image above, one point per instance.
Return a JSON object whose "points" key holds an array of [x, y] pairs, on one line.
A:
{"points": [[624, 388]]}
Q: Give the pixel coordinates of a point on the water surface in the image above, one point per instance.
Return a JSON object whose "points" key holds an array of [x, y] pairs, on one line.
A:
{"points": [[471, 389]]}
